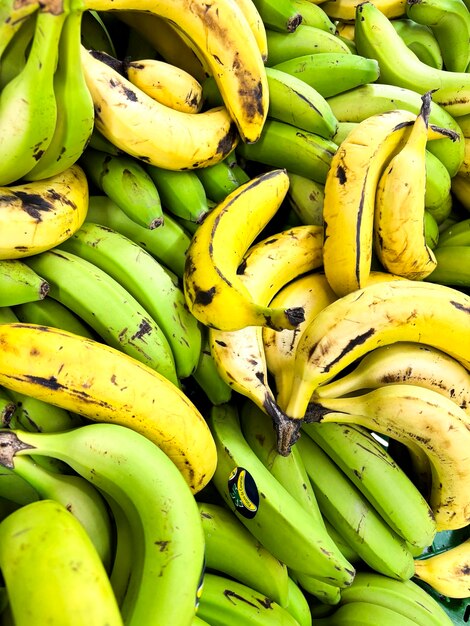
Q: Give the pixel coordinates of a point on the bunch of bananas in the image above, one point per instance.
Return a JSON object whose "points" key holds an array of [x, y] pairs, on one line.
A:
{"points": [[234, 312]]}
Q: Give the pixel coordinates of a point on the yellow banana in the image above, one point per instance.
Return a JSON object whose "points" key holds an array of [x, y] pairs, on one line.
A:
{"points": [[38, 216], [399, 237], [256, 24], [150, 131], [97, 381], [447, 572], [345, 10], [214, 292]]}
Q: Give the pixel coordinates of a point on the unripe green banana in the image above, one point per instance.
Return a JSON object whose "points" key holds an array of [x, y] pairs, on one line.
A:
{"points": [[19, 283], [453, 266], [50, 312], [421, 40], [305, 196], [222, 178]]}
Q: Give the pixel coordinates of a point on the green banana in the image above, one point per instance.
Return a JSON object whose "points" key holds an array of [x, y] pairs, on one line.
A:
{"points": [[421, 40], [267, 509], [304, 40], [233, 551], [453, 266], [297, 603], [15, 54], [353, 516], [222, 178], [361, 102], [27, 122], [376, 38], [279, 15], [125, 181], [456, 235], [449, 20], [107, 307], [181, 192], [283, 145], [438, 182], [7, 315], [364, 614], [144, 278], [16, 489], [49, 312], [19, 283], [313, 15], [75, 115], [38, 416], [207, 376], [95, 35], [167, 243], [431, 230], [305, 197], [324, 592], [167, 537], [331, 73]]}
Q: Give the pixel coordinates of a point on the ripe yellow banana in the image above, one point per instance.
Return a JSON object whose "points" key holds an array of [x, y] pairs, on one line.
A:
{"points": [[97, 381], [38, 216], [399, 238], [214, 292], [447, 572], [345, 10], [220, 33], [377, 315], [150, 131]]}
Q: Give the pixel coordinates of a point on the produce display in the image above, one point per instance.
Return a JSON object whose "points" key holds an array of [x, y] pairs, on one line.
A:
{"points": [[234, 312]]}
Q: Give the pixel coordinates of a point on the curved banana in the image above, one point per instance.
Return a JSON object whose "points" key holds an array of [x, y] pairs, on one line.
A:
{"points": [[447, 572], [421, 40], [456, 235], [376, 315], [220, 33], [305, 197], [349, 202], [429, 420], [364, 613], [49, 312], [222, 178], [297, 604], [12, 17], [398, 232], [19, 283], [119, 389], [43, 541], [215, 294], [404, 362], [280, 15], [38, 216], [75, 115], [148, 282], [345, 10], [207, 377], [166, 83], [239, 354], [167, 537], [13, 58], [376, 38], [27, 122], [150, 131]]}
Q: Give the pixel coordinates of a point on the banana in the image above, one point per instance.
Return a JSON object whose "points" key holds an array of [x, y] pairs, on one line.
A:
{"points": [[148, 282], [298, 605], [456, 235], [278, 15], [181, 192], [438, 183], [49, 312], [376, 38], [384, 484], [220, 34], [275, 518], [304, 40], [214, 293], [39, 215], [314, 15], [404, 597], [150, 131], [345, 10], [226, 602], [13, 58], [398, 232], [331, 73], [95, 34], [233, 551], [429, 420], [420, 39], [167, 537], [167, 243], [431, 230], [447, 572], [15, 489], [126, 181], [27, 122], [256, 25], [166, 83], [19, 283], [13, 14], [361, 102], [314, 293], [75, 115], [365, 614], [178, 427], [351, 182], [7, 315], [376, 315], [105, 305], [39, 416], [207, 376], [404, 362], [222, 178], [305, 198], [43, 541], [284, 146], [78, 496], [381, 548], [452, 267], [460, 186], [327, 594], [450, 23], [239, 354], [464, 169]]}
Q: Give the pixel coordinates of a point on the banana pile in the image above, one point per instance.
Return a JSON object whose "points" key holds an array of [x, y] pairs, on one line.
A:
{"points": [[234, 312]]}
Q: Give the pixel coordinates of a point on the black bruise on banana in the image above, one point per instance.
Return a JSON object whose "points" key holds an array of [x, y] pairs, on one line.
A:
{"points": [[356, 341], [32, 203], [229, 594]]}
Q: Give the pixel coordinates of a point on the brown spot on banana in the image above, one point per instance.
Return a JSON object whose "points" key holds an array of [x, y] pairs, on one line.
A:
{"points": [[10, 444]]}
